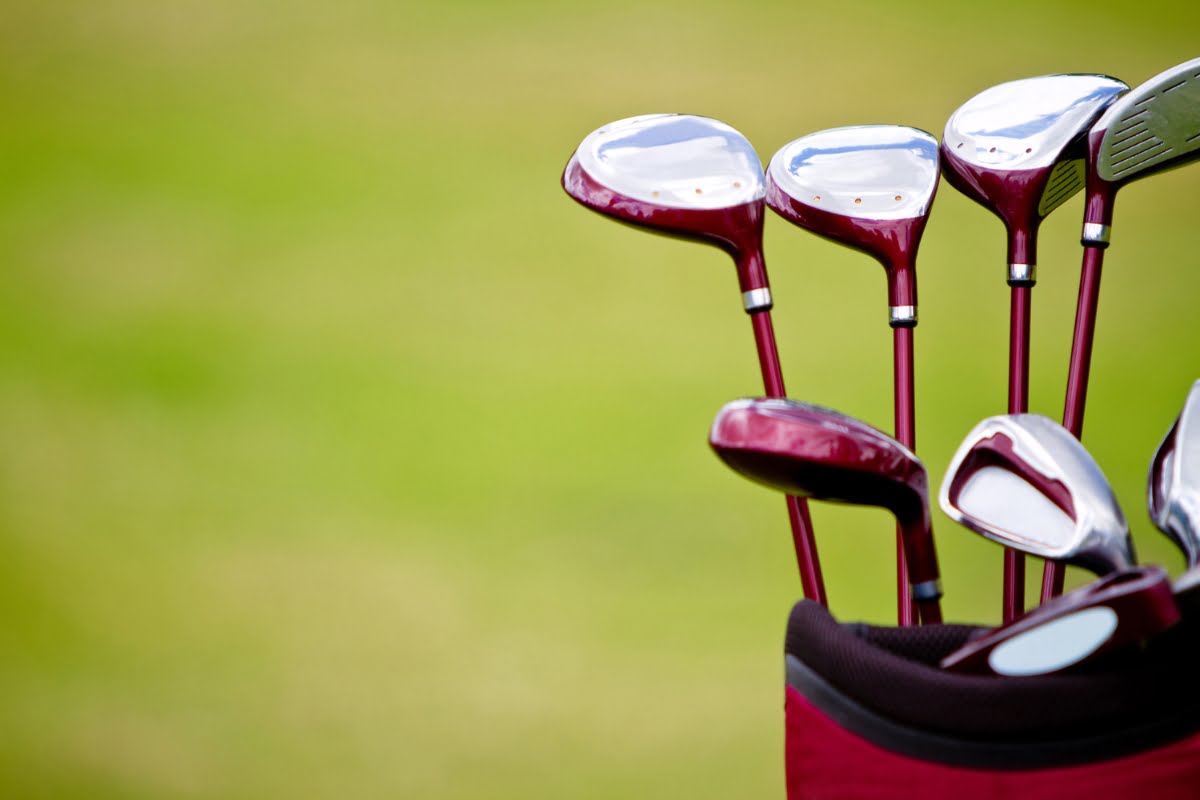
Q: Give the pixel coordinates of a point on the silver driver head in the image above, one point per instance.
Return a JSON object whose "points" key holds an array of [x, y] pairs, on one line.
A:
{"points": [[1026, 125], [1024, 481], [1155, 127], [1174, 485]]}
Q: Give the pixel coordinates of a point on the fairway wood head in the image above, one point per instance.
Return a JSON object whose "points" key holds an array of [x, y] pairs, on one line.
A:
{"points": [[1024, 481], [680, 175], [813, 452], [1120, 610], [1174, 484], [1155, 127], [869, 187], [1017, 149]]}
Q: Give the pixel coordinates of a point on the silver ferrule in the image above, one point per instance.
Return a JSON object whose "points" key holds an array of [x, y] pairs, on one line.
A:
{"points": [[1094, 233], [902, 316], [927, 590], [757, 300], [1022, 274]]}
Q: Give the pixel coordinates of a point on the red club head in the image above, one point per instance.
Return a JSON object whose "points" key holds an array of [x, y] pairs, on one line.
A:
{"points": [[809, 451], [1017, 150], [869, 187], [680, 175]]}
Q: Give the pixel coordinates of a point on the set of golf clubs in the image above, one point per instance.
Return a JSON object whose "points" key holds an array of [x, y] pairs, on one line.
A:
{"points": [[1021, 149]]}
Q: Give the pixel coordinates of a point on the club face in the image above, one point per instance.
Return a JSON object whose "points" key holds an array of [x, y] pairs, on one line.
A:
{"points": [[1174, 483], [1155, 127], [1024, 481], [1016, 148], [674, 173]]}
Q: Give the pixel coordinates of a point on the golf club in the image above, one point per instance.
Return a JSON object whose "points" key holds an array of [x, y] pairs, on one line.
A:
{"points": [[695, 178], [869, 187], [1024, 481], [1017, 150], [813, 452], [1120, 610], [1174, 484], [1155, 127]]}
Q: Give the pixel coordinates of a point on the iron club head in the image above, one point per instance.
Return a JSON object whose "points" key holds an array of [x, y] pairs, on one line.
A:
{"points": [[1173, 490], [813, 452], [1024, 481], [869, 187]]}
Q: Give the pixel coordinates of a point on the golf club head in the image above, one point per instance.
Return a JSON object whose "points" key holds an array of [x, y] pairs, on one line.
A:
{"points": [[1017, 150], [813, 452], [680, 175], [1024, 481], [1153, 128], [869, 187], [1173, 490], [1120, 610]]}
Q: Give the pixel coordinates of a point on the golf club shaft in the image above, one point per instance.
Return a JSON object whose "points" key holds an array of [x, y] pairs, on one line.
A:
{"points": [[1077, 379], [1018, 403], [905, 426], [805, 545]]}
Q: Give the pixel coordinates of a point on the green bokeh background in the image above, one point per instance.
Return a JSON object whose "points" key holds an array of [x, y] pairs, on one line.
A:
{"points": [[342, 455]]}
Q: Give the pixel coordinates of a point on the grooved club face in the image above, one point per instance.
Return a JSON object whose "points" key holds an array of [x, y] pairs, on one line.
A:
{"points": [[809, 451], [1155, 127], [1017, 149], [1174, 484], [1024, 481]]}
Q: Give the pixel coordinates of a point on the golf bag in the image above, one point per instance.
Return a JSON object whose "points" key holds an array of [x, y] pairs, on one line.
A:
{"points": [[869, 714]]}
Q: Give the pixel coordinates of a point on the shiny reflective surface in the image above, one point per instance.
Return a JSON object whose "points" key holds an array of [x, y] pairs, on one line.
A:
{"points": [[1026, 124], [1174, 484], [1024, 481], [1154, 127], [877, 172], [674, 160]]}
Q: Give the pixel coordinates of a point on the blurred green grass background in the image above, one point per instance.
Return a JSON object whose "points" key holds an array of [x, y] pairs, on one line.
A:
{"points": [[344, 456]]}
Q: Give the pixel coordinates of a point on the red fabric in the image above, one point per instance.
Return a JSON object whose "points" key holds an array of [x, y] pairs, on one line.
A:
{"points": [[826, 762]]}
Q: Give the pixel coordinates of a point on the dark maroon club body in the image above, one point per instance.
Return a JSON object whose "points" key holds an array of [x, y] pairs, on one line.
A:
{"points": [[869, 187], [695, 178], [814, 452]]}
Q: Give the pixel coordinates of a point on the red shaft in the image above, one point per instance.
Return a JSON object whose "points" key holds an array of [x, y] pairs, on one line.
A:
{"points": [[805, 545], [1018, 403], [1077, 379], [906, 434]]}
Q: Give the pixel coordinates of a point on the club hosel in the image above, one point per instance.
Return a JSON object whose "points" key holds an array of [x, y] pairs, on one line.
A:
{"points": [[752, 278], [1022, 256], [924, 578], [1097, 212], [902, 295]]}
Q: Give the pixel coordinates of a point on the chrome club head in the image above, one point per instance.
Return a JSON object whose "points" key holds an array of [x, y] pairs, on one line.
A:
{"points": [[1024, 481], [813, 452], [1017, 150], [869, 187], [682, 175], [1174, 485]]}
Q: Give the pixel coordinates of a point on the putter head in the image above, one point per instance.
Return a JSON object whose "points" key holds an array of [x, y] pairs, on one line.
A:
{"points": [[1017, 150], [1120, 610], [1173, 490], [869, 187], [1024, 481], [680, 175], [809, 451]]}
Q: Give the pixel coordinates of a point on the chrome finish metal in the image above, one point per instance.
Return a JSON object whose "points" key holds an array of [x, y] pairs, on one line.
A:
{"points": [[863, 172], [1022, 274], [1055, 645], [926, 590], [1174, 484], [1154, 127], [902, 316], [674, 160], [1026, 124], [1095, 233], [757, 300], [1065, 180], [1027, 483]]}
